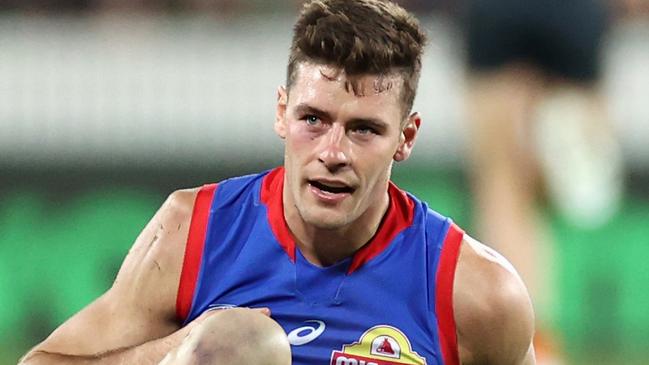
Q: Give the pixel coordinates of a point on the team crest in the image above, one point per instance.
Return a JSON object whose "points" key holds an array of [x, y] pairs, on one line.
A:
{"points": [[380, 345]]}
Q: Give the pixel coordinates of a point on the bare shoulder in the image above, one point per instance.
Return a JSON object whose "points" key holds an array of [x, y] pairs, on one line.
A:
{"points": [[152, 266], [140, 305], [162, 239], [493, 312]]}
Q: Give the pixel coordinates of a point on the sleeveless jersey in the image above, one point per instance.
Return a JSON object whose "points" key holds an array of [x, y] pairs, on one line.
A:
{"points": [[388, 304]]}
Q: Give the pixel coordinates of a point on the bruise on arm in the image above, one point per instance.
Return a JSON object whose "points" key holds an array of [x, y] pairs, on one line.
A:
{"points": [[493, 311]]}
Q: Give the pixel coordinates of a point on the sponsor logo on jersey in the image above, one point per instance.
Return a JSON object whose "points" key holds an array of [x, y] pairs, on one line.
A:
{"points": [[380, 345], [305, 334]]}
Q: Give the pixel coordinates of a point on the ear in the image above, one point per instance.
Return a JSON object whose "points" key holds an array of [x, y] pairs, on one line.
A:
{"points": [[408, 135], [280, 113]]}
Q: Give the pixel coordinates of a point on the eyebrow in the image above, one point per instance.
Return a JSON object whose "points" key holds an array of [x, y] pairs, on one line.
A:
{"points": [[304, 108]]}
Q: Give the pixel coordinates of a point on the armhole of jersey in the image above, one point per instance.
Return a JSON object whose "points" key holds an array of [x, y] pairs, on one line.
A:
{"points": [[194, 250], [444, 280]]}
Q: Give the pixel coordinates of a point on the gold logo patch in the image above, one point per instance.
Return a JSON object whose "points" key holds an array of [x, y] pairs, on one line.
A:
{"points": [[380, 345]]}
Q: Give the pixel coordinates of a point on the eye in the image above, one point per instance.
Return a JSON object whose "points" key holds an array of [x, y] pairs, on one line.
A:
{"points": [[311, 120], [365, 130]]}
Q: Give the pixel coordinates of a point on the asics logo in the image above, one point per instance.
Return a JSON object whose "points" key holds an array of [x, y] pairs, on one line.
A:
{"points": [[306, 334]]}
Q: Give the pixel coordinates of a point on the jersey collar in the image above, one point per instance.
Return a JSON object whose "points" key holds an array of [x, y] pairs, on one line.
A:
{"points": [[398, 217]]}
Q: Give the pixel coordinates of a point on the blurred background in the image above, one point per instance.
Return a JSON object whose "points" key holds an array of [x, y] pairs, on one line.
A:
{"points": [[107, 106]]}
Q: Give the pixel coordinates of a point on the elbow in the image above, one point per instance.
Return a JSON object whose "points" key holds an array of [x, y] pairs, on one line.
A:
{"points": [[41, 358], [32, 358]]}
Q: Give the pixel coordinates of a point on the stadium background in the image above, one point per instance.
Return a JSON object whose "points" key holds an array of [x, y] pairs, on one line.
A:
{"points": [[108, 106]]}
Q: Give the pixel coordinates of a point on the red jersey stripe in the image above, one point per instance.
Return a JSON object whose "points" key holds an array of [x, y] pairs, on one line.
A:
{"points": [[398, 217], [194, 250], [444, 280], [271, 196]]}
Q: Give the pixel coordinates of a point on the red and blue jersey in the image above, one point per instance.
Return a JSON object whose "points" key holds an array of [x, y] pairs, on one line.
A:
{"points": [[388, 304]]}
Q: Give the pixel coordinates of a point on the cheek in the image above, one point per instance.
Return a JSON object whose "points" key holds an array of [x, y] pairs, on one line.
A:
{"points": [[300, 141], [379, 165], [379, 153], [297, 133]]}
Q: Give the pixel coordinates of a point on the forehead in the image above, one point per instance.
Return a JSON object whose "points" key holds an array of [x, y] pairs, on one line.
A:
{"points": [[321, 83]]}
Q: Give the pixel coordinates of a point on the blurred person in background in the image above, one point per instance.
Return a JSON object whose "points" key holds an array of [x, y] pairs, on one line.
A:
{"points": [[537, 116], [322, 244]]}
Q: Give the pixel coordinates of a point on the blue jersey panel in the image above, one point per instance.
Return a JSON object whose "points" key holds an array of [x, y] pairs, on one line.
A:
{"points": [[381, 313]]}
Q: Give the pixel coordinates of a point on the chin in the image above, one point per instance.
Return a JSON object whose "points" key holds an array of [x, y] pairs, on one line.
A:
{"points": [[326, 220]]}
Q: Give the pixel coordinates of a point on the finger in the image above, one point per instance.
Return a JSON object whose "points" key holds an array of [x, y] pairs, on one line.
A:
{"points": [[263, 310]]}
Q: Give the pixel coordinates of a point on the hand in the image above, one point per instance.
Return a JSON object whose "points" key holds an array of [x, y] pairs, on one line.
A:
{"points": [[193, 335]]}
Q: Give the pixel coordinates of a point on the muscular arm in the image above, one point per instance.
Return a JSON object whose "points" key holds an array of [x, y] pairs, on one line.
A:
{"points": [[493, 312], [134, 322]]}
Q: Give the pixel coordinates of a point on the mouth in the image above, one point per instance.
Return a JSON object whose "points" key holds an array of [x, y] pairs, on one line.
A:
{"points": [[331, 187]]}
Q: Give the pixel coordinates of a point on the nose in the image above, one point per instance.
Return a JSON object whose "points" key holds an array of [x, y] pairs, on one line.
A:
{"points": [[334, 153]]}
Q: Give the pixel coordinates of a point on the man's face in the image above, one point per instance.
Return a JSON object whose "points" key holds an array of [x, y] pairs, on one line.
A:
{"points": [[340, 144]]}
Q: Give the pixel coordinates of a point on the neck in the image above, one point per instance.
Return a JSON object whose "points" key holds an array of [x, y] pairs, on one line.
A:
{"points": [[326, 246]]}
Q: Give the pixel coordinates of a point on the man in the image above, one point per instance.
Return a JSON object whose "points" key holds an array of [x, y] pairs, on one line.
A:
{"points": [[538, 122], [354, 270]]}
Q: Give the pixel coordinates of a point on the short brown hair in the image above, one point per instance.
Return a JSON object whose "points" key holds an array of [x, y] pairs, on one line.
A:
{"points": [[359, 37]]}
